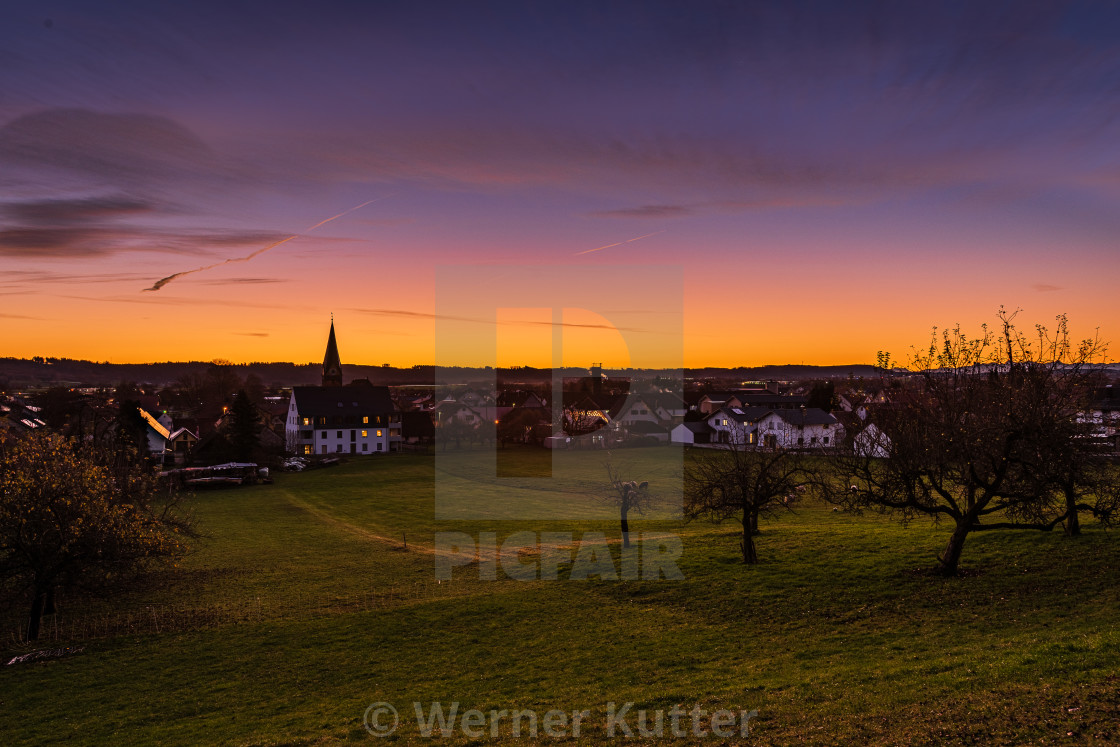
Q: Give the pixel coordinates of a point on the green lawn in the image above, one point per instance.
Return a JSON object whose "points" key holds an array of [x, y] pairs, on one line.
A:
{"points": [[301, 607]]}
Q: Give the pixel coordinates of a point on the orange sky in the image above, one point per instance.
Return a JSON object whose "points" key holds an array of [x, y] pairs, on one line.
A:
{"points": [[726, 321]]}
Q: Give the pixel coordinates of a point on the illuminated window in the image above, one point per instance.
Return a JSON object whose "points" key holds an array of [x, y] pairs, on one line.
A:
{"points": [[307, 449], [365, 420], [307, 421], [379, 434], [365, 433]]}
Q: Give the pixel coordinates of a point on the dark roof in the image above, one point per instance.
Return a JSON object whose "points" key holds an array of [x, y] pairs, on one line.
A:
{"points": [[743, 414], [796, 416], [806, 416], [663, 399], [771, 400], [698, 426], [448, 406], [343, 400], [693, 398], [851, 422], [609, 403]]}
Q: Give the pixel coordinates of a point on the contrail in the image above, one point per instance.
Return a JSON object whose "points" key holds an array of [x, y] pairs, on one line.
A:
{"points": [[620, 243], [164, 281]]}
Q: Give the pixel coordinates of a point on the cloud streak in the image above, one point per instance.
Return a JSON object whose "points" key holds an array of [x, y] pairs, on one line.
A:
{"points": [[619, 243], [646, 211], [245, 281], [170, 278], [427, 316]]}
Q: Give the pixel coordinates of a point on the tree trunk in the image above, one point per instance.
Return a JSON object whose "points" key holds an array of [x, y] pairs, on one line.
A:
{"points": [[1073, 522], [36, 614], [950, 559], [48, 605], [750, 554], [754, 521], [625, 530]]}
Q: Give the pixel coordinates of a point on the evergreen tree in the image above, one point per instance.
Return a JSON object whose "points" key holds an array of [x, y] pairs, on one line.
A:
{"points": [[131, 428], [823, 396], [244, 427]]}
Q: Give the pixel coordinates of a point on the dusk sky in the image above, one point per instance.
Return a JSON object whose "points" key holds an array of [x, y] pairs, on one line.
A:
{"points": [[828, 180]]}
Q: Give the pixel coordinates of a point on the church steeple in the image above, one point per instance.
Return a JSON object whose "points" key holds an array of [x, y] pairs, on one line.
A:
{"points": [[332, 364]]}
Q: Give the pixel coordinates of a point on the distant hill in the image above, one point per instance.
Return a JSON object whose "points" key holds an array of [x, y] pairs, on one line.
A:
{"points": [[21, 373], [787, 372]]}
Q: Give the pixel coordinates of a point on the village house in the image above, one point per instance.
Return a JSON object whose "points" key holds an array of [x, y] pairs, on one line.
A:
{"points": [[803, 428], [181, 442], [18, 416], [158, 436], [662, 409], [449, 410], [693, 432], [736, 425], [871, 442]]}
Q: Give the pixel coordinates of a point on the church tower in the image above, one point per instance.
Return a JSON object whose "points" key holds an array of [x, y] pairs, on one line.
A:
{"points": [[332, 364]]}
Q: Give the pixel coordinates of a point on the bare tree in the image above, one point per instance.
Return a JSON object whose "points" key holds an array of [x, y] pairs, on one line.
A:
{"points": [[627, 495], [987, 436], [743, 482]]}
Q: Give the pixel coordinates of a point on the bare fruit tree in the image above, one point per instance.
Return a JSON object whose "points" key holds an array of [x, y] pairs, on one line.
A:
{"points": [[987, 434], [743, 482], [627, 495]]}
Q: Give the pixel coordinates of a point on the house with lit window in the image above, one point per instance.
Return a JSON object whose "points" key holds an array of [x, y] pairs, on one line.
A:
{"points": [[803, 428], [736, 425], [358, 418]]}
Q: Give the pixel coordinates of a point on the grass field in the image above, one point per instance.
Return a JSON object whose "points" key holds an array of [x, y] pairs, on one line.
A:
{"points": [[301, 607]]}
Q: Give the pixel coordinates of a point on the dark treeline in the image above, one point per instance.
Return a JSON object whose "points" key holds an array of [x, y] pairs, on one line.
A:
{"points": [[16, 373]]}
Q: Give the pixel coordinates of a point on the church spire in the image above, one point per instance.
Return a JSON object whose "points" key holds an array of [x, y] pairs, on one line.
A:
{"points": [[332, 364]]}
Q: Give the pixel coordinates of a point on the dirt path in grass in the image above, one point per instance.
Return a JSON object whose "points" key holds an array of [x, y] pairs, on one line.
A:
{"points": [[477, 556], [357, 531]]}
